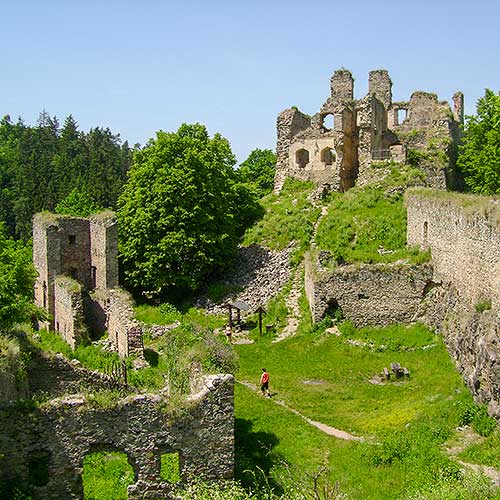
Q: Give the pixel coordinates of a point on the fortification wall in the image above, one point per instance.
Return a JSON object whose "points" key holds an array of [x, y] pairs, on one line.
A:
{"points": [[48, 455], [104, 250], [368, 294], [463, 233]]}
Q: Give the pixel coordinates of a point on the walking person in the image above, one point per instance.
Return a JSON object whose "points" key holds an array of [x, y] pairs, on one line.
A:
{"points": [[264, 383]]}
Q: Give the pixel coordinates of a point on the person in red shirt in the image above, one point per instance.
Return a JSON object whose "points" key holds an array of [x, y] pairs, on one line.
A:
{"points": [[264, 383]]}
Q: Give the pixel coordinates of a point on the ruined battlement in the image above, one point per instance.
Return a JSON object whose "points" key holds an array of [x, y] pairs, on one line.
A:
{"points": [[335, 147]]}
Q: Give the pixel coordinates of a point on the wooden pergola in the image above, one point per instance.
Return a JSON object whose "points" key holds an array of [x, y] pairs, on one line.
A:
{"points": [[239, 306]]}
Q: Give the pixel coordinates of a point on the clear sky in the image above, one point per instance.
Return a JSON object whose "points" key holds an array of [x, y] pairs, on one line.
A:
{"points": [[233, 65]]}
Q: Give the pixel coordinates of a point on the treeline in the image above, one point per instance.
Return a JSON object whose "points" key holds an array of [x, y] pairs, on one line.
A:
{"points": [[41, 165]]}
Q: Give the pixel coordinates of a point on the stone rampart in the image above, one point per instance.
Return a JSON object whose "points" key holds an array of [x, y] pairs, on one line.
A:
{"points": [[368, 294], [463, 235], [48, 454]]}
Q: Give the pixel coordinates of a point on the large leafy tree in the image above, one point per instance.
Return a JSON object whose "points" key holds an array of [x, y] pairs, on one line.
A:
{"points": [[258, 170], [179, 214], [479, 154], [17, 276]]}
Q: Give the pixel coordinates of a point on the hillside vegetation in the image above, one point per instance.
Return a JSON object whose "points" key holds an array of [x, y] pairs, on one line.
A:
{"points": [[368, 224]]}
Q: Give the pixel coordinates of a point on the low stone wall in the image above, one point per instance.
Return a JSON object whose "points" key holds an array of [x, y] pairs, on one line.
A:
{"points": [[53, 375], [368, 294], [57, 436]]}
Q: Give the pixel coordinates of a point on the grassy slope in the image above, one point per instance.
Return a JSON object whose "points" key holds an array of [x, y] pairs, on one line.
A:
{"points": [[288, 217], [364, 219], [409, 420]]}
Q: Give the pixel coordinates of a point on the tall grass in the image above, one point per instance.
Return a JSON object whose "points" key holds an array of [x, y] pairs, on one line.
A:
{"points": [[368, 224], [289, 217]]}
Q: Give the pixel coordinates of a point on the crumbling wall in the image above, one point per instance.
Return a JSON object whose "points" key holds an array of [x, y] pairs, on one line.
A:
{"points": [[113, 310], [104, 250], [367, 294], [289, 123], [63, 431], [367, 130], [69, 319], [463, 235], [55, 376]]}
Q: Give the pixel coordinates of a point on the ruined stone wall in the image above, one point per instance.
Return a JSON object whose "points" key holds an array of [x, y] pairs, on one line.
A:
{"points": [[69, 319], [367, 130], [113, 310], [289, 123], [104, 250], [463, 235], [61, 245], [55, 376], [60, 433], [368, 294]]}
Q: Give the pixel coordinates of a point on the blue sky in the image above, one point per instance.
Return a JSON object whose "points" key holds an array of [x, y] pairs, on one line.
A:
{"points": [[138, 67]]}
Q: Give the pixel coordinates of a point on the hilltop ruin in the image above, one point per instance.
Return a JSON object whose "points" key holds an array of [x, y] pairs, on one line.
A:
{"points": [[338, 146]]}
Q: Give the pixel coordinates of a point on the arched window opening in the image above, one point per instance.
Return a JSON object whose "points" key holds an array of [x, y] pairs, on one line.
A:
{"points": [[402, 113], [328, 156], [302, 157], [44, 295], [106, 475], [328, 122], [426, 232]]}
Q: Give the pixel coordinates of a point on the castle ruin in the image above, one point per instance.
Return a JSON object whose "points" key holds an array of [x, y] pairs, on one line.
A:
{"points": [[337, 147], [77, 283]]}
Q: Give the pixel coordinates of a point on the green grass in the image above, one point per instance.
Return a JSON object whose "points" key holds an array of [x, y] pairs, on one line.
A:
{"points": [[366, 219], [288, 217], [484, 453], [106, 476], [404, 423]]}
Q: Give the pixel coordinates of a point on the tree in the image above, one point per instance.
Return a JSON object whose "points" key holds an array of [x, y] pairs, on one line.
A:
{"points": [[479, 154], [78, 203], [17, 276], [258, 170], [177, 216]]}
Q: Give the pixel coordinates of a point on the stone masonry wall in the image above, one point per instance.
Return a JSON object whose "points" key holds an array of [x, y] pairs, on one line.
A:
{"points": [[112, 310], [368, 294], [104, 250], [463, 234], [464, 237], [69, 317], [59, 434]]}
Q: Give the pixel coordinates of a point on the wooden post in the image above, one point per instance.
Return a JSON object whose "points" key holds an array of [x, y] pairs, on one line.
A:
{"points": [[261, 311]]}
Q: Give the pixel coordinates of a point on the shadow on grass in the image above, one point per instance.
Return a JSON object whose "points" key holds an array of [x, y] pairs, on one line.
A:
{"points": [[255, 456]]}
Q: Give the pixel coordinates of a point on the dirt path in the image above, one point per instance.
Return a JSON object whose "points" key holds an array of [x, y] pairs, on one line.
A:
{"points": [[331, 431], [293, 307], [463, 440]]}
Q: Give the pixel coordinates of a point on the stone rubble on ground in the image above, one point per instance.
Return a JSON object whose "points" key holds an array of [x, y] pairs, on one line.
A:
{"points": [[260, 273]]}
